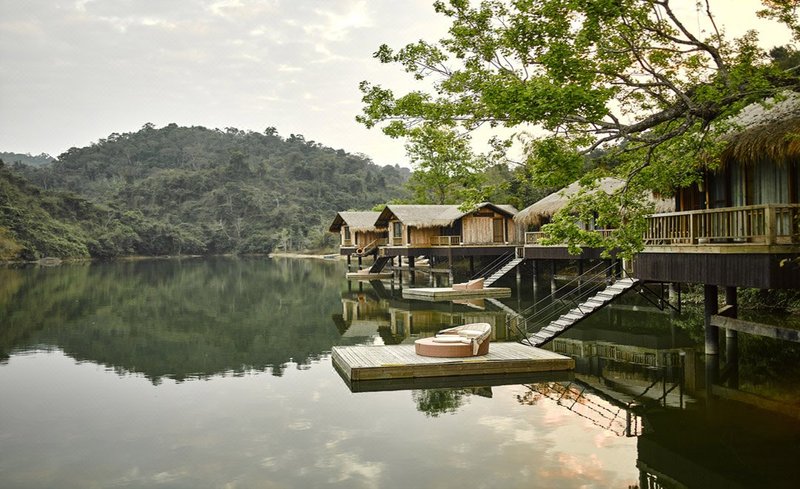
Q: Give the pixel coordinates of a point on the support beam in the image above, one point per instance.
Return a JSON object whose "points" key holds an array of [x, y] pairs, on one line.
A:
{"points": [[758, 329]]}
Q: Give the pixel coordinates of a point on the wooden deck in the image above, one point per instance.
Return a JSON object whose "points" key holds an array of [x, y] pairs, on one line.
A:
{"points": [[357, 363], [448, 293]]}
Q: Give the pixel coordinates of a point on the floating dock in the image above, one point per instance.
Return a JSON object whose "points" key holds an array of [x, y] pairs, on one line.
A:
{"points": [[359, 363], [449, 293], [458, 382]]}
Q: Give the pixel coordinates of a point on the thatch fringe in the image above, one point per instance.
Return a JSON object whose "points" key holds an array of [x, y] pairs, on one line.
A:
{"points": [[359, 221], [768, 132], [777, 142]]}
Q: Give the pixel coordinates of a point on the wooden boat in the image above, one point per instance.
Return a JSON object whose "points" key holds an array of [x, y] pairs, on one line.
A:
{"points": [[467, 340]]}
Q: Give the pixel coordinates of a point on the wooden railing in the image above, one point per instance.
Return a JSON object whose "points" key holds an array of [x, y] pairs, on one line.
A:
{"points": [[532, 238], [445, 240], [762, 224]]}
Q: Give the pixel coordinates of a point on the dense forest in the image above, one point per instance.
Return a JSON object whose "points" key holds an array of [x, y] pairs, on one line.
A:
{"points": [[185, 190]]}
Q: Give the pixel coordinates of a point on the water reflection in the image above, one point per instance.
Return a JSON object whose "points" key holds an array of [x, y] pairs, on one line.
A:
{"points": [[636, 413], [377, 314], [177, 319]]}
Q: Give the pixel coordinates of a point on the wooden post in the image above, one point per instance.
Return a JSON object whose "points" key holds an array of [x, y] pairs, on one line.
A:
{"points": [[349, 261], [711, 308], [471, 266], [359, 262], [770, 225]]}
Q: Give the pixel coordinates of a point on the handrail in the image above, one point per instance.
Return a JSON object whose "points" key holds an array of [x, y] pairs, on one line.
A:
{"points": [[494, 265], [765, 224], [445, 240], [572, 298]]}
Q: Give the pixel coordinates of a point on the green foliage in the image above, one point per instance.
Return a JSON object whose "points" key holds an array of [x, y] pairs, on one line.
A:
{"points": [[622, 81], [191, 190], [445, 170]]}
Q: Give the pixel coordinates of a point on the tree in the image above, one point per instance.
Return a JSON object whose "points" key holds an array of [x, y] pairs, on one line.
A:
{"points": [[445, 170], [626, 78]]}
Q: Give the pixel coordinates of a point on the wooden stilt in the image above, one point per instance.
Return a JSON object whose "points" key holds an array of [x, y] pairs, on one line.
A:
{"points": [[732, 339], [710, 293]]}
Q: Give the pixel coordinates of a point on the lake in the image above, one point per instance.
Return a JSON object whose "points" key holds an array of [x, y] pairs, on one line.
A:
{"points": [[217, 373]]}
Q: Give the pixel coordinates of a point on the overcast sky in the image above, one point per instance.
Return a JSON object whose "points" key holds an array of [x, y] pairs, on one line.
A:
{"points": [[74, 71]]}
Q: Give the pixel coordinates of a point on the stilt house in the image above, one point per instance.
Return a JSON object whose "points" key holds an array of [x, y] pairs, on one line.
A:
{"points": [[358, 233], [447, 225], [740, 226]]}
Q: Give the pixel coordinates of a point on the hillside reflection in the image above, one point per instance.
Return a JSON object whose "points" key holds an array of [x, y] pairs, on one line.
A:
{"points": [[176, 319]]}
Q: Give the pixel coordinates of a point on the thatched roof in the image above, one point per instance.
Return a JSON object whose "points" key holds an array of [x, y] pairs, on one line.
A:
{"points": [[358, 221], [769, 132], [534, 214], [429, 216]]}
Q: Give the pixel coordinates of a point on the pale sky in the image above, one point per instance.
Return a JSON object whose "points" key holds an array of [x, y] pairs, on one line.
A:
{"points": [[74, 71]]}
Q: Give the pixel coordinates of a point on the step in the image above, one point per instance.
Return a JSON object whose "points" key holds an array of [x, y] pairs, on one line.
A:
{"points": [[553, 327], [562, 323], [538, 339], [573, 317]]}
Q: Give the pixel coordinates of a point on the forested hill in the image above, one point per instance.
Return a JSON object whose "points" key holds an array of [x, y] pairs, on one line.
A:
{"points": [[25, 159], [193, 190]]}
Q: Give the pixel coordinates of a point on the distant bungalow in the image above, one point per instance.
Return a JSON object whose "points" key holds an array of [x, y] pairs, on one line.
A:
{"points": [[358, 233], [447, 225]]}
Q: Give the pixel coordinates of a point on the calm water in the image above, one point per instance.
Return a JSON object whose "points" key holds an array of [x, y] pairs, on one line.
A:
{"points": [[217, 373]]}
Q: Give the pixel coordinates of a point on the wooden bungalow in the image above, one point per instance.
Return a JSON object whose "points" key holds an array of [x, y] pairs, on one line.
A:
{"points": [[447, 225], [750, 196], [358, 233], [740, 226], [444, 230], [541, 212]]}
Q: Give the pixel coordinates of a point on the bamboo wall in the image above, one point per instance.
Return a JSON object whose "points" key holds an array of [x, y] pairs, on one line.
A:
{"points": [[421, 236], [363, 238], [477, 230], [480, 229]]}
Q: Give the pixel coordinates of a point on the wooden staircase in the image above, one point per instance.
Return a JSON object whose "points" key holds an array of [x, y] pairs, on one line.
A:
{"points": [[502, 271], [581, 311], [380, 262]]}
